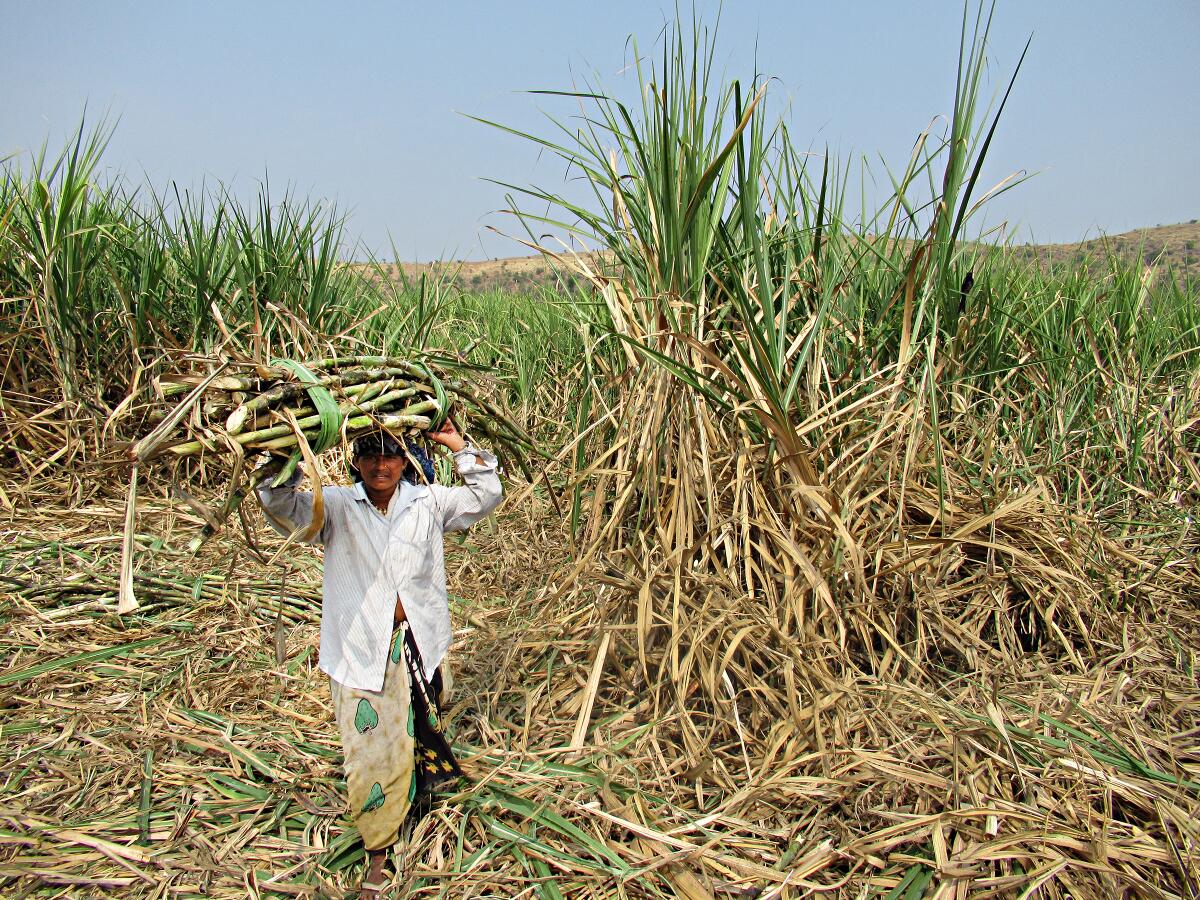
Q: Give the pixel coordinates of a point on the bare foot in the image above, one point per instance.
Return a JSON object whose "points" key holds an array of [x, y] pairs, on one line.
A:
{"points": [[374, 880]]}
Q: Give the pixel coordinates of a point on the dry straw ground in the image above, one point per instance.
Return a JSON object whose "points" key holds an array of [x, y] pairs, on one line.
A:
{"points": [[633, 726]]}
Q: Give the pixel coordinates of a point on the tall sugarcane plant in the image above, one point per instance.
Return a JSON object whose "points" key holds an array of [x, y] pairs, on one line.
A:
{"points": [[735, 255], [778, 367]]}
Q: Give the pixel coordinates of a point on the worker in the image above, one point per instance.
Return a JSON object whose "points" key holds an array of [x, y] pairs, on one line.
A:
{"points": [[385, 618]]}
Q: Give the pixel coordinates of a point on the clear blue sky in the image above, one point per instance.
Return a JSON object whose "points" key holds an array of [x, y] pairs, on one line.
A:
{"points": [[362, 103]]}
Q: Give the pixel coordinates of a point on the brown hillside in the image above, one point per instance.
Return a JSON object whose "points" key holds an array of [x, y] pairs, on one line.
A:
{"points": [[516, 273], [1176, 247]]}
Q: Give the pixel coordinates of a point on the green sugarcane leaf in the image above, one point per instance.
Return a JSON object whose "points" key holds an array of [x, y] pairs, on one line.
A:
{"points": [[68, 662]]}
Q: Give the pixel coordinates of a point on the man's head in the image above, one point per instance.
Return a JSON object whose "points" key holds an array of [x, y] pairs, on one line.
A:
{"points": [[378, 460]]}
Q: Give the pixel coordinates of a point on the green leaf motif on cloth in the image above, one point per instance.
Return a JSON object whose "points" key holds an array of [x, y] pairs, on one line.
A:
{"points": [[412, 722], [365, 717], [432, 720], [374, 799], [412, 788], [398, 648]]}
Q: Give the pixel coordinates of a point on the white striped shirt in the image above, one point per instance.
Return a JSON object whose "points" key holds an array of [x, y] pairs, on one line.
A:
{"points": [[371, 559]]}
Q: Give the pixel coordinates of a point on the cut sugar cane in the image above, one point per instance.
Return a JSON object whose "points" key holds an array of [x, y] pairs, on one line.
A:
{"points": [[222, 410], [266, 438]]}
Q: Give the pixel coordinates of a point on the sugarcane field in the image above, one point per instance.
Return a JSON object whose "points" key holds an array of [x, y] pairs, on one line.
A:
{"points": [[790, 550]]}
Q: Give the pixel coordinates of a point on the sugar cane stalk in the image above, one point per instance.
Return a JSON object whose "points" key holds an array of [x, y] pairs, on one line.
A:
{"points": [[290, 389]]}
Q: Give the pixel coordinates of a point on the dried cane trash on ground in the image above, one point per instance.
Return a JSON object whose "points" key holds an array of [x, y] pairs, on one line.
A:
{"points": [[169, 753]]}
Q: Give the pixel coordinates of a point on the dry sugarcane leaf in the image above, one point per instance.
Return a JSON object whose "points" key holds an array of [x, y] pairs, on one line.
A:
{"points": [[127, 599]]}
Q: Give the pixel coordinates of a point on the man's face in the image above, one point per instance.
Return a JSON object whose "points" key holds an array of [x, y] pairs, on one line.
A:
{"points": [[381, 474]]}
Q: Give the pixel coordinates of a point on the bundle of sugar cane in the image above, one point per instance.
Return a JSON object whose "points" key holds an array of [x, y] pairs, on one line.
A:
{"points": [[329, 399], [295, 411]]}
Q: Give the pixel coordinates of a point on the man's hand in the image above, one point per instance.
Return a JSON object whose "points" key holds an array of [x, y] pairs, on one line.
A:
{"points": [[268, 466], [447, 435]]}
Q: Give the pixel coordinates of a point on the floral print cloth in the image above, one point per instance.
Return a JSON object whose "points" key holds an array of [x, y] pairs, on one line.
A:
{"points": [[396, 752]]}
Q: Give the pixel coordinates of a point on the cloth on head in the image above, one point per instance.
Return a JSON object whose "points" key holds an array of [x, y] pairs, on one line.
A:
{"points": [[384, 444], [379, 443]]}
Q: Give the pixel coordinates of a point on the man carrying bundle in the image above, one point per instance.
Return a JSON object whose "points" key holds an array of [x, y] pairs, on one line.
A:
{"points": [[385, 619]]}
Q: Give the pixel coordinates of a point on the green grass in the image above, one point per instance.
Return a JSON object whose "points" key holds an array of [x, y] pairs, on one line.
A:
{"points": [[98, 281]]}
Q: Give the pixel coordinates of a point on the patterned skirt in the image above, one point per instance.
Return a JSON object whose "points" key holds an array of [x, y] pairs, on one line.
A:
{"points": [[396, 753]]}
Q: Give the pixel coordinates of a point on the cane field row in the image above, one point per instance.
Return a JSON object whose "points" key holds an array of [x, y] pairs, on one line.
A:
{"points": [[1091, 362]]}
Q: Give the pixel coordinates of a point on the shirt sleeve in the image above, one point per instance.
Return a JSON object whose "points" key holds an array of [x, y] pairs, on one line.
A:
{"points": [[480, 493], [289, 509]]}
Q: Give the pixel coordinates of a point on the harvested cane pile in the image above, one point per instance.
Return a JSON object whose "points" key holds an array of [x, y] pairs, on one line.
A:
{"points": [[645, 727], [294, 412], [907, 688], [286, 406]]}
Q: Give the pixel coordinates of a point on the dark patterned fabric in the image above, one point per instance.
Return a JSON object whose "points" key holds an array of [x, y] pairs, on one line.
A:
{"points": [[435, 762]]}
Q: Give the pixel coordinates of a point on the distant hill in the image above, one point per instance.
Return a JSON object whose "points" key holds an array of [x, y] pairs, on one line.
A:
{"points": [[515, 273], [1173, 246], [1176, 247]]}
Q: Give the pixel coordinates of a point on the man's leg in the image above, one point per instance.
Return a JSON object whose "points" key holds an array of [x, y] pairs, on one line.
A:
{"points": [[374, 878]]}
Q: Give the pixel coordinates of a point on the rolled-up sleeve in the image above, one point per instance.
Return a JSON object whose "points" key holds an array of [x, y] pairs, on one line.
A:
{"points": [[287, 508], [480, 493]]}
